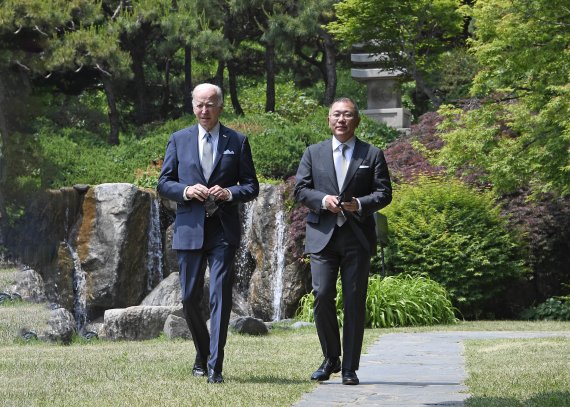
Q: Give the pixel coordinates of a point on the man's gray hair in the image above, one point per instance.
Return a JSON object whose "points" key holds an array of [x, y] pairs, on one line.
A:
{"points": [[346, 100], [219, 94]]}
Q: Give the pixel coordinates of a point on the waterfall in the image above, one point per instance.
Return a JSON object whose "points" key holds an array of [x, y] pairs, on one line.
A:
{"points": [[155, 272], [79, 292], [279, 263], [243, 264]]}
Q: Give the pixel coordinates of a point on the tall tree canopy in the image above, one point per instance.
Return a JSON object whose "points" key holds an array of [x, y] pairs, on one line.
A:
{"points": [[520, 135], [410, 35]]}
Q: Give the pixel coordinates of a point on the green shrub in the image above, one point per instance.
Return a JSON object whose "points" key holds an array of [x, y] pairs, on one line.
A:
{"points": [[458, 237], [68, 156], [278, 149], [555, 308], [72, 156], [395, 301], [290, 102]]}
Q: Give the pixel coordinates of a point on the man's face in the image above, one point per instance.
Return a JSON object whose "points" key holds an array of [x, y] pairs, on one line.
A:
{"points": [[206, 107], [343, 120]]}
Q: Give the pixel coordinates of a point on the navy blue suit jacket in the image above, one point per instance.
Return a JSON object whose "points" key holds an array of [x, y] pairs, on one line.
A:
{"points": [[233, 169], [367, 179]]}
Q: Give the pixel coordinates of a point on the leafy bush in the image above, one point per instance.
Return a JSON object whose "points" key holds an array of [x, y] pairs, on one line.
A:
{"points": [[70, 155], [545, 224], [394, 301], [290, 102], [555, 308], [458, 237]]}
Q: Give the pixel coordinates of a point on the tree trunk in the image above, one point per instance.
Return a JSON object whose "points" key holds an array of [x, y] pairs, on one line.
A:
{"points": [[188, 80], [166, 92], [3, 138], [141, 116], [113, 112], [219, 78], [270, 77], [330, 68], [233, 89], [426, 90]]}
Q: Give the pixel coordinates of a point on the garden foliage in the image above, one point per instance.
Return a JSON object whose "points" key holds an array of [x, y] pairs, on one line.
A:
{"points": [[457, 236], [521, 132], [555, 308], [74, 155], [395, 301]]}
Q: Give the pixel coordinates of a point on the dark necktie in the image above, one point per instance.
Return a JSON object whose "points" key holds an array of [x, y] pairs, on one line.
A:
{"points": [[207, 156]]}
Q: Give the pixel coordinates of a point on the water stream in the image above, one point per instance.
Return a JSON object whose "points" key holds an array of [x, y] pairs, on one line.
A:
{"points": [[279, 263], [79, 291], [244, 264], [155, 272]]}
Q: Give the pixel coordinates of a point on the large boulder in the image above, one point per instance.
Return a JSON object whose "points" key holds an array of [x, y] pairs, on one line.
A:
{"points": [[176, 327], [248, 325], [61, 326], [166, 293], [138, 322], [113, 246], [279, 279], [30, 285]]}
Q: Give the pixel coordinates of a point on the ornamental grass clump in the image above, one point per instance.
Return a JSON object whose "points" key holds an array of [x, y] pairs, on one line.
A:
{"points": [[393, 302]]}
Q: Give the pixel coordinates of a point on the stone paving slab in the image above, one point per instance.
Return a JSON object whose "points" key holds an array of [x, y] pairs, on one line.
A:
{"points": [[409, 370]]}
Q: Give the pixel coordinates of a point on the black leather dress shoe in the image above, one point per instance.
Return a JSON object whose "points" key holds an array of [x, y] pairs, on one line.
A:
{"points": [[199, 368], [328, 367], [215, 377], [349, 377]]}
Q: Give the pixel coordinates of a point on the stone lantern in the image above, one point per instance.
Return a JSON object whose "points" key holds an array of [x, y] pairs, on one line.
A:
{"points": [[384, 97]]}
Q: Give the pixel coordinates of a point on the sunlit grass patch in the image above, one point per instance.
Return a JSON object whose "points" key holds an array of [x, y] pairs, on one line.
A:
{"points": [[519, 372]]}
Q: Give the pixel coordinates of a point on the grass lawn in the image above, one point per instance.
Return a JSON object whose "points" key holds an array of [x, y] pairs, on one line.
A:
{"points": [[519, 372], [273, 370]]}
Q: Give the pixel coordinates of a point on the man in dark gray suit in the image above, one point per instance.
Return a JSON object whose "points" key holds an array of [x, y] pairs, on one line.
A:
{"points": [[208, 169], [343, 181]]}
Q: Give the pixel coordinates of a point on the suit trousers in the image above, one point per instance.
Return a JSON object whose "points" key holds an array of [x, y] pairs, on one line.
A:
{"points": [[343, 252], [219, 255]]}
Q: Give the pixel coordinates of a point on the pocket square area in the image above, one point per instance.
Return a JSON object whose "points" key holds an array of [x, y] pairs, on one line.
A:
{"points": [[364, 166], [229, 152]]}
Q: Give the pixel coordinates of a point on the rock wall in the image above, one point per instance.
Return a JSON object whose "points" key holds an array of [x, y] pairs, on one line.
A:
{"points": [[106, 247]]}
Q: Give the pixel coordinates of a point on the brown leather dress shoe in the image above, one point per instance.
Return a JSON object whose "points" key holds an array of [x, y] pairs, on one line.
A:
{"points": [[349, 377], [328, 367]]}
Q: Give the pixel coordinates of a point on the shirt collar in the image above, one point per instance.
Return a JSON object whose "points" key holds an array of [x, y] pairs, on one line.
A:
{"points": [[350, 142], [215, 132]]}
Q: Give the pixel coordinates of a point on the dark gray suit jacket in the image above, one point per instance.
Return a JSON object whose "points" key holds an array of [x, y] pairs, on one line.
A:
{"points": [[367, 179], [233, 169]]}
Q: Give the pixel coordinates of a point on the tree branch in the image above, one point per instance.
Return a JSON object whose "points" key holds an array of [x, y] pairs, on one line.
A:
{"points": [[102, 70], [40, 31], [22, 65], [117, 11]]}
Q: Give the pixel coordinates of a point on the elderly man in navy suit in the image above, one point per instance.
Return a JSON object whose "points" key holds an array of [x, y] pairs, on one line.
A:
{"points": [[343, 181], [208, 170]]}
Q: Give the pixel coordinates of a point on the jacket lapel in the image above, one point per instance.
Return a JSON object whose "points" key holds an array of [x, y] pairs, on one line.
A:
{"points": [[223, 140], [328, 162], [194, 151]]}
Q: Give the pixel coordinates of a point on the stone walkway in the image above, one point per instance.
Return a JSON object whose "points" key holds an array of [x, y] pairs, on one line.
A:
{"points": [[409, 370]]}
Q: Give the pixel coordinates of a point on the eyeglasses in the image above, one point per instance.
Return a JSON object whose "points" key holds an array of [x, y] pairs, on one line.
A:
{"points": [[336, 115], [207, 106]]}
